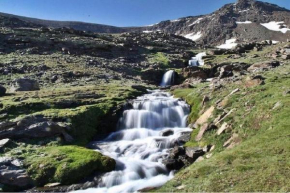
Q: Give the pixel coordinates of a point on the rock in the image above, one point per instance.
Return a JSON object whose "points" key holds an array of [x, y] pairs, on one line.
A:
{"points": [[205, 127], [194, 152], [260, 66], [12, 175], [172, 164], [232, 142], [277, 105], [34, 127], [176, 152], [52, 184], [254, 81], [24, 84], [205, 116], [6, 125], [185, 137], [184, 85], [222, 128], [166, 132], [4, 142], [208, 155], [230, 112], [286, 57], [199, 159], [2, 90], [139, 88]]}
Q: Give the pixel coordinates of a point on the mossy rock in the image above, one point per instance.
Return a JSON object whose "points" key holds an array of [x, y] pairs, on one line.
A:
{"points": [[66, 164]]}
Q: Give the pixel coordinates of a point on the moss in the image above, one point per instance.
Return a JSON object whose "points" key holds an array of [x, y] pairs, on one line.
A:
{"points": [[66, 164]]}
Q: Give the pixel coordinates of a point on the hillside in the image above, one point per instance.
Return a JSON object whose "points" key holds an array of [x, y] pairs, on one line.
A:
{"points": [[242, 21]]}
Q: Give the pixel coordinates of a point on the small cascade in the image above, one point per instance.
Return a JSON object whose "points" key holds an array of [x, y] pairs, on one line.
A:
{"points": [[138, 145], [168, 78], [197, 60]]}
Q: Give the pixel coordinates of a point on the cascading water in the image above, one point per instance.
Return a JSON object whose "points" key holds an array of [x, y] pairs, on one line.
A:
{"points": [[139, 145], [168, 78]]}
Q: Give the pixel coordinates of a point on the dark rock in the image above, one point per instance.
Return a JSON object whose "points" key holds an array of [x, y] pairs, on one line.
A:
{"points": [[2, 90], [25, 84], [185, 137], [194, 152], [167, 132], [172, 164], [13, 175]]}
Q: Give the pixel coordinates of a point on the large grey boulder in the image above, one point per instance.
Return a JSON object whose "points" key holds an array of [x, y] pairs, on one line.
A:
{"points": [[194, 152], [13, 175], [2, 90], [32, 127], [24, 84]]}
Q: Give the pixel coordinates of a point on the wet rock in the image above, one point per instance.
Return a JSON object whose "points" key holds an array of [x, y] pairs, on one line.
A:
{"points": [[167, 132], [172, 164], [24, 84], [2, 90], [185, 137], [194, 152]]}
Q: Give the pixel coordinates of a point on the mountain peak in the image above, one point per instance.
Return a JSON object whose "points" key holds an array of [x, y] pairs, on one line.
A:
{"points": [[244, 3]]}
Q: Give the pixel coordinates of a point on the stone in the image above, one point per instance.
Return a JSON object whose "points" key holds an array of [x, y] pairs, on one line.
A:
{"points": [[205, 116], [4, 142], [205, 127], [34, 127], [277, 105], [194, 152], [52, 184], [286, 57], [224, 127], [2, 90], [172, 164], [260, 66], [24, 84], [167, 132], [232, 142], [252, 82], [11, 174], [185, 137]]}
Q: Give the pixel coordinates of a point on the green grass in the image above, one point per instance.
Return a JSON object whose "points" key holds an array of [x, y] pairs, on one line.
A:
{"points": [[65, 164], [261, 162]]}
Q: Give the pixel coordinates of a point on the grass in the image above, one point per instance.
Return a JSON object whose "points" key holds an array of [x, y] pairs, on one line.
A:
{"points": [[65, 164], [261, 162]]}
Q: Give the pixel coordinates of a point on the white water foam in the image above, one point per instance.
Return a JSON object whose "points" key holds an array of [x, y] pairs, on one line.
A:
{"points": [[139, 147]]}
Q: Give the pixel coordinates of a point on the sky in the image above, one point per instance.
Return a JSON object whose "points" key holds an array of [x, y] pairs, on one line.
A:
{"points": [[116, 12]]}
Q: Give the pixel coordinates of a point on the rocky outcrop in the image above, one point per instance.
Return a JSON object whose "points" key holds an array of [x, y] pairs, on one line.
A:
{"points": [[24, 84], [261, 66], [32, 127]]}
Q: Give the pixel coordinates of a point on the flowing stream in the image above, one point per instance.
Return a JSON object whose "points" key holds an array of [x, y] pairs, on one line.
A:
{"points": [[145, 133]]}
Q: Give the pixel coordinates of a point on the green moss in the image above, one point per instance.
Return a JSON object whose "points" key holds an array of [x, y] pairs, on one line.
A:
{"points": [[66, 164]]}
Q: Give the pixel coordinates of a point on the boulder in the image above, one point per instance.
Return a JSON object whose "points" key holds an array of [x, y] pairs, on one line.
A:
{"points": [[205, 127], [233, 141], [2, 90], [224, 127], [185, 137], [260, 66], [24, 84], [33, 127]]}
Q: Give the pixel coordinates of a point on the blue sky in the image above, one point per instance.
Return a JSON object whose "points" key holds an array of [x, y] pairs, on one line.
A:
{"points": [[116, 12]]}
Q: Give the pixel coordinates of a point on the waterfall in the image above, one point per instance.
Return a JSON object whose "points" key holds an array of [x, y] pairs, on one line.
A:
{"points": [[138, 145], [168, 78]]}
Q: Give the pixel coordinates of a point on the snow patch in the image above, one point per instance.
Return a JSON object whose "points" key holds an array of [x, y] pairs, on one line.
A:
{"points": [[276, 26], [196, 21], [193, 36], [231, 43], [147, 32], [176, 20], [244, 10], [243, 22]]}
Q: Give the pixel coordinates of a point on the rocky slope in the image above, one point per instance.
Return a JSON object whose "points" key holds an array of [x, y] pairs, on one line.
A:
{"points": [[242, 21]]}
